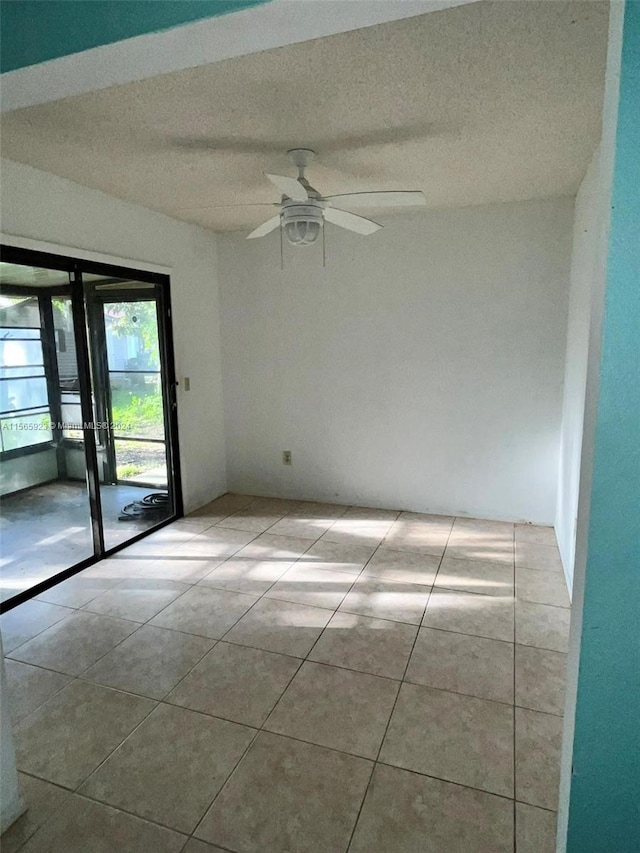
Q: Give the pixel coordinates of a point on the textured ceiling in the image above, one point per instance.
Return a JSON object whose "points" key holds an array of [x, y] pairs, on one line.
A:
{"points": [[494, 101]]}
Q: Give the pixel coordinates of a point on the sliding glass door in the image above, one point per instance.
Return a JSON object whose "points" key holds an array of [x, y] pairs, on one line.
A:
{"points": [[88, 437], [128, 340]]}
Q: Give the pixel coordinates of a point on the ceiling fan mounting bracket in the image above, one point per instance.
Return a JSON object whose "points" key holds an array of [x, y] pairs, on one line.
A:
{"points": [[301, 156]]}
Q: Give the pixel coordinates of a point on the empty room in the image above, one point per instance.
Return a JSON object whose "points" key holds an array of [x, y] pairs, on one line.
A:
{"points": [[319, 468]]}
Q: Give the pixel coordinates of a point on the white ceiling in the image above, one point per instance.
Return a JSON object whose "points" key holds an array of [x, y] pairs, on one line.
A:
{"points": [[494, 101]]}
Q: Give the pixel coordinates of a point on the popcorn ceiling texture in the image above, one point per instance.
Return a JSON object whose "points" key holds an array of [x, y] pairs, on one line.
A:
{"points": [[483, 103]]}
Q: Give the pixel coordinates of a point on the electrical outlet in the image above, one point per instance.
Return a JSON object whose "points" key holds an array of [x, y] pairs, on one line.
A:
{"points": [[187, 383], [286, 457]]}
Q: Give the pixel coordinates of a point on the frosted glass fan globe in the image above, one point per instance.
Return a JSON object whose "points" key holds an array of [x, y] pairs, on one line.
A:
{"points": [[302, 232]]}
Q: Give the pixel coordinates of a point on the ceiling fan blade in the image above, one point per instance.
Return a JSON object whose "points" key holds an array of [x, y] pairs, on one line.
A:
{"points": [[350, 221], [266, 228], [290, 187], [391, 198]]}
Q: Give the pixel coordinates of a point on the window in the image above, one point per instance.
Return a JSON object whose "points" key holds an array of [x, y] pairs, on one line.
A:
{"points": [[25, 417], [71, 409]]}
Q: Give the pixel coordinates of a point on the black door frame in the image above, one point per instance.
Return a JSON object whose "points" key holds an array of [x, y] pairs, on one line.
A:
{"points": [[76, 267], [95, 303]]}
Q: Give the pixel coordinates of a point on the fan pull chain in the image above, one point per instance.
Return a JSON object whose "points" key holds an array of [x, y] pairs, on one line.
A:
{"points": [[281, 250], [324, 248]]}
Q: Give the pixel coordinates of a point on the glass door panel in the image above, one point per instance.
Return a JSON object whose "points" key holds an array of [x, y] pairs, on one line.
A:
{"points": [[135, 490], [46, 524]]}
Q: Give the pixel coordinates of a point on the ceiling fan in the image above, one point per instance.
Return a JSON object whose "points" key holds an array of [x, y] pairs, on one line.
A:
{"points": [[303, 211]]}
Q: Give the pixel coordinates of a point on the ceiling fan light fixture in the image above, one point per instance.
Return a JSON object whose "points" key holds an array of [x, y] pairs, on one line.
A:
{"points": [[302, 224], [302, 233]]}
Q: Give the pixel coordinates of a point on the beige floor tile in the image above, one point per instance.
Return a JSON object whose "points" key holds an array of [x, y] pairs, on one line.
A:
{"points": [[67, 737], [171, 768], [457, 738], [250, 520], [463, 664], [289, 797], [177, 533], [542, 587], [82, 588], [426, 537], [307, 585], [535, 829], [402, 566], [475, 539], [205, 611], [542, 626], [26, 621], [538, 744], [315, 510], [354, 532], [478, 576], [210, 512], [426, 517], [229, 502], [196, 523], [280, 626], [253, 577], [488, 616], [237, 683], [150, 662], [73, 644], [180, 567], [353, 524], [535, 535], [377, 646], [271, 547], [301, 528], [530, 555], [150, 548], [335, 557], [124, 565], [540, 679], [337, 708], [463, 526], [407, 813], [401, 602], [370, 515], [137, 599], [481, 548], [83, 826], [274, 505], [42, 800], [215, 543], [30, 686]]}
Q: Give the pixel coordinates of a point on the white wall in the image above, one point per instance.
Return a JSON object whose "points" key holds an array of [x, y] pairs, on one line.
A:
{"points": [[422, 369], [43, 207], [23, 472], [588, 265]]}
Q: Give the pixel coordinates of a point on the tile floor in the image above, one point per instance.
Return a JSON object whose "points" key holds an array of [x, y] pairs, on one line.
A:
{"points": [[291, 677]]}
